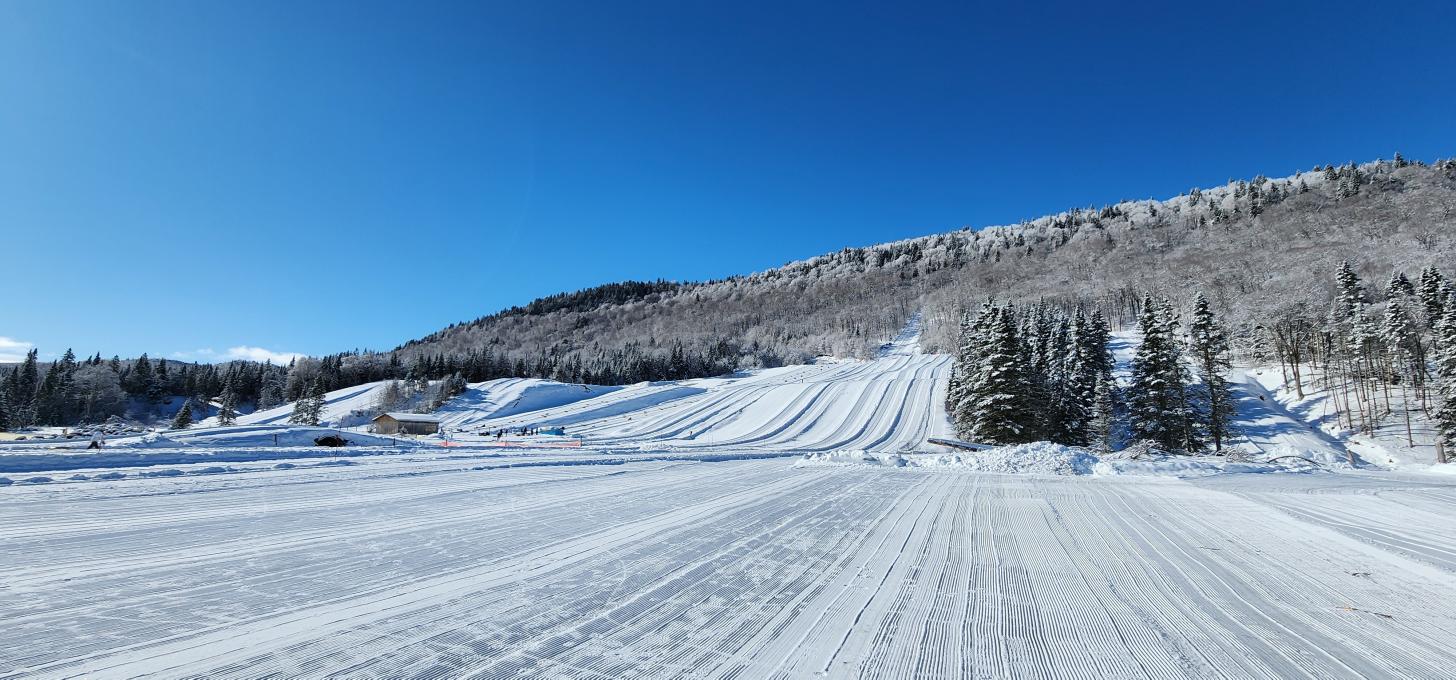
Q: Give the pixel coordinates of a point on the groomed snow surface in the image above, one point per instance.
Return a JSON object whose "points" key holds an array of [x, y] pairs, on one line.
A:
{"points": [[786, 523]]}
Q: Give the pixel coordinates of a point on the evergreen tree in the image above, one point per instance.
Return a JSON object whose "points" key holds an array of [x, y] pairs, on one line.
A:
{"points": [[309, 409], [1158, 407], [183, 419], [967, 357], [140, 382], [1101, 426], [270, 395], [995, 410], [1209, 347], [1351, 294], [227, 412], [1446, 370], [316, 402], [1398, 286], [1083, 373], [24, 381], [1432, 294]]}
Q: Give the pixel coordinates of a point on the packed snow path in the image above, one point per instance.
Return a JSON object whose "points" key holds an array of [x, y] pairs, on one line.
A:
{"points": [[420, 566]]}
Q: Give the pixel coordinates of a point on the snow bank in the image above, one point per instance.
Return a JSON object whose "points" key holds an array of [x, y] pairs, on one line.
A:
{"points": [[254, 436], [210, 447], [1036, 458], [1046, 458]]}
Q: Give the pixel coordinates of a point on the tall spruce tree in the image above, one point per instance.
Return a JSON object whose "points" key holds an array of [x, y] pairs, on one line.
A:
{"points": [[995, 408], [1445, 416], [1101, 426], [1083, 373], [1403, 347], [1158, 408], [227, 412], [1433, 295], [308, 408], [1209, 348], [1351, 294]]}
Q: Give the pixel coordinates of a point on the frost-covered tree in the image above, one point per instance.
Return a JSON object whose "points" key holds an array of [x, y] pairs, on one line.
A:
{"points": [[308, 409], [1403, 346], [1398, 286], [1208, 346], [227, 412], [995, 408], [1085, 372], [1445, 355], [270, 394], [1157, 398], [1351, 294], [1433, 295], [183, 419], [1103, 423]]}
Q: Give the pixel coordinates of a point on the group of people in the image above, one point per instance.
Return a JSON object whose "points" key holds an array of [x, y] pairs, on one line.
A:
{"points": [[521, 432]]}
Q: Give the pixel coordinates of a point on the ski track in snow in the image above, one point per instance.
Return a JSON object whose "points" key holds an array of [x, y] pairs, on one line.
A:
{"points": [[682, 544], [728, 569]]}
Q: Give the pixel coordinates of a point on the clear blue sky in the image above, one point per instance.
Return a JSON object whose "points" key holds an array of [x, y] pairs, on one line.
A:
{"points": [[318, 176]]}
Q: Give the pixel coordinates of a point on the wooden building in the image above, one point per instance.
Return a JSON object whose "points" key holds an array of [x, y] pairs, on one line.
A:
{"points": [[406, 423]]}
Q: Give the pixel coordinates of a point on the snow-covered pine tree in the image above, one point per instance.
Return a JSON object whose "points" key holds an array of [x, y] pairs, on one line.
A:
{"points": [[1101, 426], [227, 412], [308, 408], [1351, 294], [1398, 286], [1101, 339], [270, 395], [1157, 396], [995, 408], [1191, 427], [968, 361], [955, 388], [316, 402], [1402, 345], [1432, 294], [1445, 356], [1209, 346], [1083, 373], [183, 419]]}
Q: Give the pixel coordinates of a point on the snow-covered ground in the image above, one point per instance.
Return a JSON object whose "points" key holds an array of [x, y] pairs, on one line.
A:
{"points": [[443, 566], [788, 522]]}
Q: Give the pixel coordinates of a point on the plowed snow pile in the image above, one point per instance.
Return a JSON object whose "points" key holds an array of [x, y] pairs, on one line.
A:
{"points": [[1046, 458], [1036, 458]]}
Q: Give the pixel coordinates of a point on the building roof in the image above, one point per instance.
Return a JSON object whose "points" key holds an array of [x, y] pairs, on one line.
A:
{"points": [[412, 417]]}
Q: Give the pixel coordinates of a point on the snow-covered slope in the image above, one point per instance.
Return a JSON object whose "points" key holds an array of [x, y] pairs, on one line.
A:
{"points": [[338, 405], [511, 396], [889, 404]]}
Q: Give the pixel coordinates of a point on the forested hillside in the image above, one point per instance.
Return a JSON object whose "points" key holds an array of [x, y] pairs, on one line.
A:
{"points": [[1249, 245], [1253, 247]]}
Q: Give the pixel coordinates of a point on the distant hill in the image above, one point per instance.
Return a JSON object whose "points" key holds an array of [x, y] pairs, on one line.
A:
{"points": [[1247, 244]]}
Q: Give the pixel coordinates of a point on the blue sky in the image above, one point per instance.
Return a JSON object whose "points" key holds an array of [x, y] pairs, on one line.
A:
{"points": [[210, 179]]}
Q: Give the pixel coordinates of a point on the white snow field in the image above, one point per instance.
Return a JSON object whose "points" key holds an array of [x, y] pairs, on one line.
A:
{"points": [[688, 537]]}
